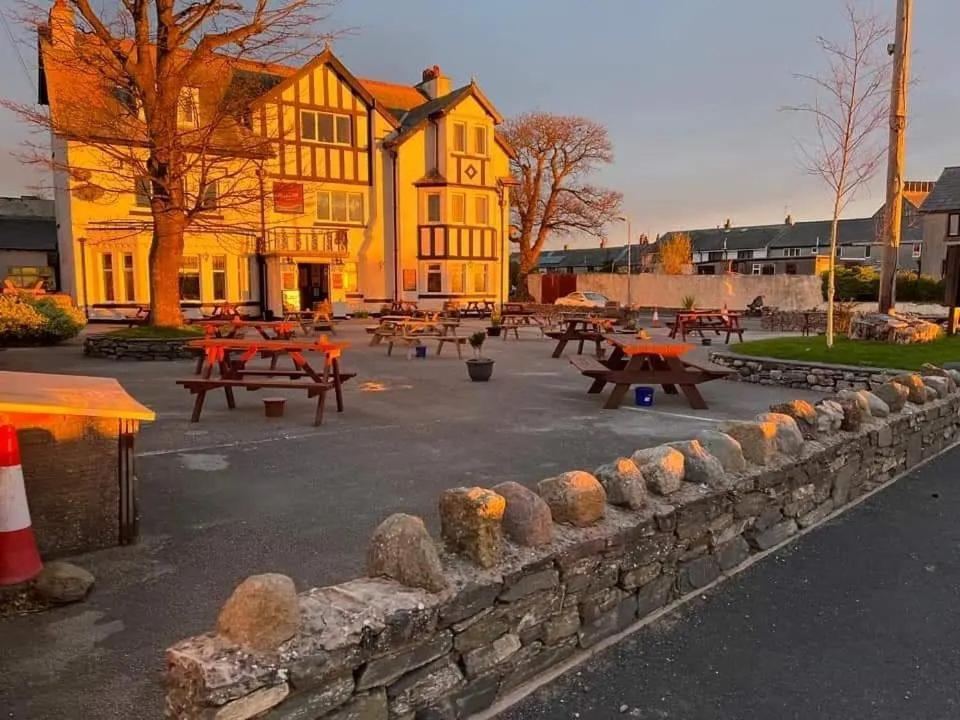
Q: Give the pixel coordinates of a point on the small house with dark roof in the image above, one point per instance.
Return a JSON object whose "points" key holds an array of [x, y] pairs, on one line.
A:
{"points": [[28, 242], [941, 233]]}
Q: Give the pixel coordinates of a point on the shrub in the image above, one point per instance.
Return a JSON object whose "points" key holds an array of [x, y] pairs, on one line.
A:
{"points": [[37, 321], [688, 302], [862, 284]]}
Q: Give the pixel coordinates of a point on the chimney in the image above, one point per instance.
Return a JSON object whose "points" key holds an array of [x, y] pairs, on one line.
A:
{"points": [[603, 243], [62, 26], [788, 220], [434, 83], [726, 224]]}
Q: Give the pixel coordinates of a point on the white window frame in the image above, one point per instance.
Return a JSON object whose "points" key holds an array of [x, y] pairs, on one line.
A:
{"points": [[335, 119], [916, 250], [208, 200], [457, 271], [187, 263], [439, 208], [108, 277], [128, 275], [458, 208], [346, 197], [953, 225], [484, 217], [480, 133], [188, 107], [792, 252], [481, 270], [142, 188], [458, 141], [757, 269], [431, 270], [214, 271]]}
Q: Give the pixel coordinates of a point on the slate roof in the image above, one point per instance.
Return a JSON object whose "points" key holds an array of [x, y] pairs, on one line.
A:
{"points": [[588, 257], [23, 233], [752, 237], [946, 193]]}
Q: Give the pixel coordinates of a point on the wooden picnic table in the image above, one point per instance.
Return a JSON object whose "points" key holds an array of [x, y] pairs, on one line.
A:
{"points": [[645, 362], [581, 329], [696, 321], [478, 308], [231, 355], [280, 329]]}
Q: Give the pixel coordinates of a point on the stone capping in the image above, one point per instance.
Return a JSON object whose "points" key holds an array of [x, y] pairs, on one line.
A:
{"points": [[374, 649], [119, 348], [820, 376]]}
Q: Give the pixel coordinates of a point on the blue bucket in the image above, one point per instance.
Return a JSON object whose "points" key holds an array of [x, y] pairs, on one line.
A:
{"points": [[644, 396], [421, 351]]}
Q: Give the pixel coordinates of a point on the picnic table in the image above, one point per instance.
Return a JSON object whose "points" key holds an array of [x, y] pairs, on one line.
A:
{"points": [[580, 329], [231, 355], [696, 321], [268, 329], [644, 362], [478, 308]]}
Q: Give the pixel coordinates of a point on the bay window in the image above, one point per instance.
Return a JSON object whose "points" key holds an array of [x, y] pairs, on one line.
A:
{"points": [[340, 206]]}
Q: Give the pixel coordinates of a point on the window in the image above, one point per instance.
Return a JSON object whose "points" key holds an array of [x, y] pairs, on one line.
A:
{"points": [[209, 196], [219, 277], [791, 252], [106, 266], [27, 276], [409, 280], [953, 225], [867, 250], [715, 255], [326, 127], [459, 137], [188, 107], [190, 277], [481, 277], [350, 277], [458, 207], [434, 278], [480, 140], [744, 254], [481, 210], [755, 270], [129, 284], [141, 192], [916, 250], [433, 208], [458, 278], [339, 206], [790, 269], [769, 270]]}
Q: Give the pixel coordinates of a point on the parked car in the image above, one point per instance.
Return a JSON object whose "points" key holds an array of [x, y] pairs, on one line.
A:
{"points": [[583, 299]]}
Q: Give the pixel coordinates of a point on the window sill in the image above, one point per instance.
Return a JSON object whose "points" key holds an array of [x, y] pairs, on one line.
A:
{"points": [[324, 143]]}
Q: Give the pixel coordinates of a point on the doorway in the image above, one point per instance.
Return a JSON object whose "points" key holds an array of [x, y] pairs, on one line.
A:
{"points": [[314, 284]]}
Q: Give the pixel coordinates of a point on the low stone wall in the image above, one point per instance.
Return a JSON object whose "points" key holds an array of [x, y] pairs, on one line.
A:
{"points": [[525, 581], [806, 375], [117, 348]]}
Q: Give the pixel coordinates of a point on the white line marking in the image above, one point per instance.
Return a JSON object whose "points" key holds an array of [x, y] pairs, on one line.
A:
{"points": [[672, 414]]}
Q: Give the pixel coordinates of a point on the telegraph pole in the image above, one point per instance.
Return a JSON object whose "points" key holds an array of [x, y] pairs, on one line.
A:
{"points": [[895, 155]]}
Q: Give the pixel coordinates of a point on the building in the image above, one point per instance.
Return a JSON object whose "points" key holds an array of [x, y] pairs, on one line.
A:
{"points": [[316, 185], [28, 242], [941, 234]]}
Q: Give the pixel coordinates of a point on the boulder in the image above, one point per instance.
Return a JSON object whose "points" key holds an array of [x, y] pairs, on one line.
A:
{"points": [[927, 370], [829, 416], [471, 522], [402, 549], [662, 467], [527, 519], [893, 394], [915, 386], [574, 497], [953, 373], [853, 415], [63, 582], [262, 613], [878, 408], [757, 439], [930, 393], [624, 483], [858, 397], [801, 411], [699, 466], [789, 437], [941, 385], [724, 448]]}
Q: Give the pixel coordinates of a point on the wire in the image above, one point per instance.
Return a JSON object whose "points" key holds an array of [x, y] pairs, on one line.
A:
{"points": [[16, 49]]}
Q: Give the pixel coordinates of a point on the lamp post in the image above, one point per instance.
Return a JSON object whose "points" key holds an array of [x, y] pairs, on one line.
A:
{"points": [[625, 219]]}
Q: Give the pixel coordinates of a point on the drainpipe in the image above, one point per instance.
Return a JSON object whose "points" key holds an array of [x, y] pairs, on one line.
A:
{"points": [[261, 245], [396, 224], [83, 274]]}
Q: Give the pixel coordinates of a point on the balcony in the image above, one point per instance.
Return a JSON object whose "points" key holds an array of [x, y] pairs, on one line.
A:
{"points": [[316, 242]]}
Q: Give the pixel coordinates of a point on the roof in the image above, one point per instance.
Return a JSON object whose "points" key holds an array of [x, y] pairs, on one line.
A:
{"points": [[587, 257], [396, 98], [946, 193], [737, 238], [28, 233]]}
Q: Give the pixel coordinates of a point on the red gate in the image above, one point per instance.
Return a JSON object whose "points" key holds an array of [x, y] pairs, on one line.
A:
{"points": [[555, 285]]}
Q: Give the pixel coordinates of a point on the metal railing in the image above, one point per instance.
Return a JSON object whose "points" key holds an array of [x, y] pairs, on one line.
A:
{"points": [[307, 241]]}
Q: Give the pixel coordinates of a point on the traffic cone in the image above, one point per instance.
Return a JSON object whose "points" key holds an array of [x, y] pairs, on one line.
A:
{"points": [[656, 318], [19, 559]]}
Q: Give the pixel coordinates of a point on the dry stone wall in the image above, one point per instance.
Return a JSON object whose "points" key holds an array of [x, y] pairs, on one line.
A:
{"points": [[440, 631], [118, 348], [802, 375]]}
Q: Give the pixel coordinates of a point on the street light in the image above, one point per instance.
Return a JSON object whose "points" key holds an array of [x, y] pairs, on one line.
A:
{"points": [[625, 219]]}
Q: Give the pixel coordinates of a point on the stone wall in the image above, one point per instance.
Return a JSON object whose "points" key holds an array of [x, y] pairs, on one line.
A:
{"points": [[524, 581], [117, 348], [806, 375]]}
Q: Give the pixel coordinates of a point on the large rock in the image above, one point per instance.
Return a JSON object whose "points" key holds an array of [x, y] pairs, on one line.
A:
{"points": [[724, 448], [928, 369], [699, 466], [575, 497], [402, 549], [63, 582], [757, 439], [527, 519], [662, 468], [789, 437], [913, 383], [624, 483], [801, 411], [857, 396], [893, 394], [940, 384], [262, 613], [471, 522], [853, 415], [829, 416], [878, 408]]}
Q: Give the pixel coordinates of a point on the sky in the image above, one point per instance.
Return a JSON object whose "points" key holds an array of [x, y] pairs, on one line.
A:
{"points": [[689, 90]]}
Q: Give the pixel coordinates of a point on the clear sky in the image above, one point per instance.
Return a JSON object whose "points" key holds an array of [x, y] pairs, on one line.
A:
{"points": [[689, 90]]}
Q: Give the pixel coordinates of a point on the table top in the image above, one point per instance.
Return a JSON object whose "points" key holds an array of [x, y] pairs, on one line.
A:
{"points": [[47, 393], [319, 345], [235, 320], [636, 346], [709, 313]]}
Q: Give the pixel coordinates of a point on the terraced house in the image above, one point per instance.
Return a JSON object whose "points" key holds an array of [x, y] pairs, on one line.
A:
{"points": [[318, 186]]}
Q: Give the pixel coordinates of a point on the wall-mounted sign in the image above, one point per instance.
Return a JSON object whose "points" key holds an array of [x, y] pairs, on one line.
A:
{"points": [[409, 280], [288, 197]]}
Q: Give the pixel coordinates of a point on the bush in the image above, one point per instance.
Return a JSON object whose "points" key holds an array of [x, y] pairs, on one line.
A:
{"points": [[862, 284], [29, 320]]}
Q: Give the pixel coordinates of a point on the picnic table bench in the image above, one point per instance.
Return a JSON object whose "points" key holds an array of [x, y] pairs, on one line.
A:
{"points": [[580, 329], [640, 362], [696, 321], [478, 308]]}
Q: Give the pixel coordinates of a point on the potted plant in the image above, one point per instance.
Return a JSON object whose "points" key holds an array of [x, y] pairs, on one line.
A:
{"points": [[688, 302], [493, 329], [480, 369]]}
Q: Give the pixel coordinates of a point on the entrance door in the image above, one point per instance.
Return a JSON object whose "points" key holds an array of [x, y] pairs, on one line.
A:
{"points": [[314, 283]]}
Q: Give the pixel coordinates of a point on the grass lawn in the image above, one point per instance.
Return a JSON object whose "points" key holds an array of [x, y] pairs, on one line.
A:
{"points": [[148, 332], [854, 352]]}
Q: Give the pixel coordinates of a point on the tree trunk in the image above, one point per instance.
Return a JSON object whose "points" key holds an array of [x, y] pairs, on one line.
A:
{"points": [[832, 272], [528, 264], [165, 253]]}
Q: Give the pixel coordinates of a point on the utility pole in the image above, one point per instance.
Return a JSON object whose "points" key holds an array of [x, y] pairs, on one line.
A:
{"points": [[895, 155], [625, 219]]}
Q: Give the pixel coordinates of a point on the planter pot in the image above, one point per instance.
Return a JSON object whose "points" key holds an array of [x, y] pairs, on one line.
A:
{"points": [[493, 331], [480, 369], [706, 341]]}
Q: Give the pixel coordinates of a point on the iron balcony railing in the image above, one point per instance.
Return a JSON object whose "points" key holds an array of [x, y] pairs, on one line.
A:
{"points": [[306, 241]]}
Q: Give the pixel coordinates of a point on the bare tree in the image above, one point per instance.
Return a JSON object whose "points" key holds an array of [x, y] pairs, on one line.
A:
{"points": [[849, 109], [674, 254], [155, 92], [554, 156]]}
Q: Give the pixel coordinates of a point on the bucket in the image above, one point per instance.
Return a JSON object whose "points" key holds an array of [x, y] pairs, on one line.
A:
{"points": [[421, 351], [644, 396]]}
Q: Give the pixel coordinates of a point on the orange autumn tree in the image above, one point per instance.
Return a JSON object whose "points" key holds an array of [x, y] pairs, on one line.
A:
{"points": [[129, 74]]}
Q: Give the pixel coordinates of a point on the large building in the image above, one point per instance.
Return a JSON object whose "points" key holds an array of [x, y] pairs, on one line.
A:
{"points": [[28, 242], [317, 186]]}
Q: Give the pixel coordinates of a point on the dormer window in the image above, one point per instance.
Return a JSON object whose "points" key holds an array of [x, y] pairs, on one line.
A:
{"points": [[459, 137], [480, 140], [188, 107]]}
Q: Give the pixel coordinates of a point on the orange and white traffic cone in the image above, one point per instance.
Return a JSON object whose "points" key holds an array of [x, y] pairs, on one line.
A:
{"points": [[19, 559], [656, 318]]}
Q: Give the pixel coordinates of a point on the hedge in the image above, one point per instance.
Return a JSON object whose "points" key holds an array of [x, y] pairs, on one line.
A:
{"points": [[862, 284], [29, 320]]}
